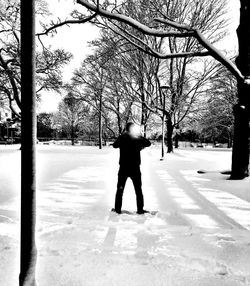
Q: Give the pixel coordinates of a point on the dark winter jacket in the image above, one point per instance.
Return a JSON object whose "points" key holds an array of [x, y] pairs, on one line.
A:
{"points": [[130, 148]]}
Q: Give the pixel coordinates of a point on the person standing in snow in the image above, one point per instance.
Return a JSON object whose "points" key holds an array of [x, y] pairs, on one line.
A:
{"points": [[130, 143]]}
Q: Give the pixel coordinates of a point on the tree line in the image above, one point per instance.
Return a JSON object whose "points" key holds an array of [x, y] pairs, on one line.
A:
{"points": [[142, 47], [119, 82], [166, 25]]}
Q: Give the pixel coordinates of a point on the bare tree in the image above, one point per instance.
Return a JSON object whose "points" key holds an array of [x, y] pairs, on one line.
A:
{"points": [[48, 62], [101, 74], [89, 82], [71, 115], [215, 120]]}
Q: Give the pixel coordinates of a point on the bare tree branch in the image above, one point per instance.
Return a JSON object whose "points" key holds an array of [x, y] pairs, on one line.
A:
{"points": [[152, 52], [133, 23], [173, 24], [67, 22]]}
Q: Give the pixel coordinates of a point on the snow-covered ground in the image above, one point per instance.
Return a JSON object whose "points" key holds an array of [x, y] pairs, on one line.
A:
{"points": [[200, 234]]}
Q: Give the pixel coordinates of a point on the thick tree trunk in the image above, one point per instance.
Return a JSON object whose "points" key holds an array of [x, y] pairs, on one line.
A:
{"points": [[240, 156], [169, 135], [28, 253]]}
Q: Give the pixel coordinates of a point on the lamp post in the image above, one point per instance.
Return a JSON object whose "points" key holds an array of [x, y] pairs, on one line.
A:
{"points": [[162, 89]]}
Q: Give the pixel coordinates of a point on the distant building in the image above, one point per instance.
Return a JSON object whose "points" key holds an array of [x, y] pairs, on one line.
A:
{"points": [[9, 126], [5, 113]]}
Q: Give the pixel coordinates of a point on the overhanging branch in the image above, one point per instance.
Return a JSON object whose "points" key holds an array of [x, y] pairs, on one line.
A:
{"points": [[67, 22], [133, 23]]}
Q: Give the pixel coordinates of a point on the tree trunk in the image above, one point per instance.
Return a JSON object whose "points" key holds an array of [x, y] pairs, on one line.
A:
{"points": [[169, 135], [100, 123], [72, 135], [119, 123], [229, 143], [72, 131], [240, 156], [144, 130], [176, 141], [28, 253], [118, 117], [163, 137], [143, 116]]}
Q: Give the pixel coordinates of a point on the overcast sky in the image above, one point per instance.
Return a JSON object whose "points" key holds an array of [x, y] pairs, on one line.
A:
{"points": [[74, 39]]}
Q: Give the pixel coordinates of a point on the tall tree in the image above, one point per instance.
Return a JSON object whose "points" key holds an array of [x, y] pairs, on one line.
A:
{"points": [[218, 117], [91, 76]]}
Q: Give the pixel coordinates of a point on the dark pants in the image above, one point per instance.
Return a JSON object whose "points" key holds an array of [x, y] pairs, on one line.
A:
{"points": [[135, 175]]}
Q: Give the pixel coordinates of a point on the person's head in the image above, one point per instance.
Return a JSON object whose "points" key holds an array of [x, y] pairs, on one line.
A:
{"points": [[129, 126], [133, 129]]}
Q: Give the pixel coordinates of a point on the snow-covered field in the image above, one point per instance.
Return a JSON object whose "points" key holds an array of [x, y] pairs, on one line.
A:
{"points": [[200, 234]]}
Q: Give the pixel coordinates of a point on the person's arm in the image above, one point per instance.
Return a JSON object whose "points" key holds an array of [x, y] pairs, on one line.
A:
{"points": [[145, 142]]}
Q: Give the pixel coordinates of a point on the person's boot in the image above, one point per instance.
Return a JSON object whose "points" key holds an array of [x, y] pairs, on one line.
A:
{"points": [[116, 211], [142, 212]]}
